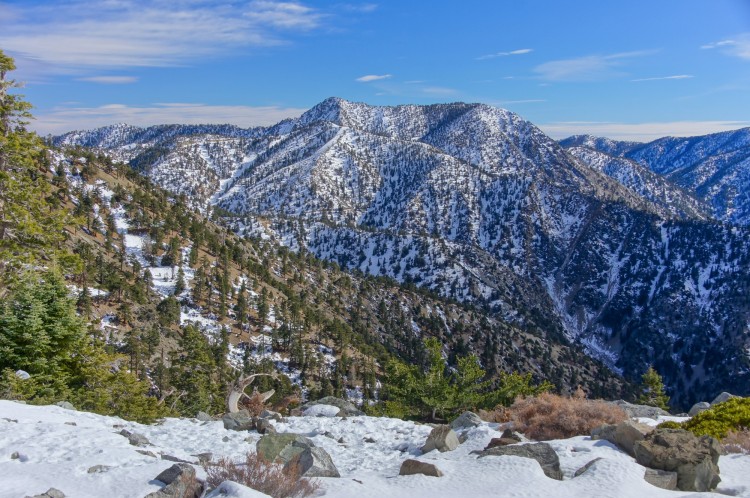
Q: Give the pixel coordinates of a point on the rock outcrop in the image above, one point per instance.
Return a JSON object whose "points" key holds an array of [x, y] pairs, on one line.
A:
{"points": [[412, 467], [541, 452], [441, 438]]}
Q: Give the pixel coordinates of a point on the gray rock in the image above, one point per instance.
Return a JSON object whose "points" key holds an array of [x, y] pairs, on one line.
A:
{"points": [[281, 448], [499, 441], [98, 469], [701, 406], [71, 423], [50, 493], [661, 478], [346, 408], [271, 415], [171, 458], [313, 462], [466, 420], [725, 396], [204, 458], [147, 453], [605, 432], [180, 481], [264, 426], [694, 458], [66, 405], [541, 452], [240, 421], [412, 467], [204, 417], [135, 438], [626, 434], [637, 411], [23, 375], [516, 436], [586, 467], [369, 440], [441, 438]]}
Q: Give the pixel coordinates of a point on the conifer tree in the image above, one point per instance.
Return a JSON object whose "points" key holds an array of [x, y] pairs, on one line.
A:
{"points": [[652, 390]]}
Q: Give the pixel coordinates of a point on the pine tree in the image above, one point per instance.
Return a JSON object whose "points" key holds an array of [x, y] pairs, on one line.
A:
{"points": [[652, 390]]}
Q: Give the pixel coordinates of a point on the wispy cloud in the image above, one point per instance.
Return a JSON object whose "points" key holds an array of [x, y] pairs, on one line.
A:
{"points": [[63, 119], [640, 132], [364, 8], [128, 33], [588, 68], [110, 80], [738, 46], [674, 77], [439, 91], [520, 51], [373, 77]]}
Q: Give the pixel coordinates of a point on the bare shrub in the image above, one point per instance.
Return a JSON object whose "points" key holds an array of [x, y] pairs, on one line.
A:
{"points": [[500, 414], [254, 404], [737, 442], [549, 416], [261, 475]]}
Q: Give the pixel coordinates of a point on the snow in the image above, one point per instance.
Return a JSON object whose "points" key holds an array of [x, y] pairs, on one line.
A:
{"points": [[55, 453]]}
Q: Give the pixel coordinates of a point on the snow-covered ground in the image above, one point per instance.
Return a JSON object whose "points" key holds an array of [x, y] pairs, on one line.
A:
{"points": [[52, 452]]}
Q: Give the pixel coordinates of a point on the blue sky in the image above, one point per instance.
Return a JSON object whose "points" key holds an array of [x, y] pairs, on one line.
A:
{"points": [[632, 70]]}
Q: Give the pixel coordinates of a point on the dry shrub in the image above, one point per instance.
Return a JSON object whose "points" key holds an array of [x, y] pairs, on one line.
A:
{"points": [[254, 404], [500, 414], [737, 442], [261, 475], [549, 416], [287, 403]]}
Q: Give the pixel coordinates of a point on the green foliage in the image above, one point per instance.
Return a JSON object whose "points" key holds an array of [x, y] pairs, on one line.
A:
{"points": [[719, 420], [193, 375], [169, 311], [652, 390]]}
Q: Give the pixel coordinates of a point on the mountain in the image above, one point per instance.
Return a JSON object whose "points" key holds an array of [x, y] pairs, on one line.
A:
{"points": [[714, 168], [478, 205]]}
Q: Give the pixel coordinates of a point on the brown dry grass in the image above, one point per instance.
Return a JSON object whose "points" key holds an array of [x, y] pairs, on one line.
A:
{"points": [[549, 416], [737, 442], [500, 414], [269, 478]]}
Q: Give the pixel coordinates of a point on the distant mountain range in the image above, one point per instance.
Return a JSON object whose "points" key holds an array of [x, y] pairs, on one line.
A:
{"points": [[640, 252]]}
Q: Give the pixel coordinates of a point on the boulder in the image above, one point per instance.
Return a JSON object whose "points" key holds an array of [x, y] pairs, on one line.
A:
{"points": [[637, 411], [627, 433], [604, 431], [50, 493], [661, 478], [281, 448], [231, 489], [204, 417], [240, 421], [271, 415], [264, 426], [66, 405], [412, 467], [701, 406], [725, 396], [314, 462], [346, 408], [516, 436], [466, 420], [541, 452], [441, 438], [500, 441], [135, 438], [180, 481], [694, 459], [322, 411], [586, 467]]}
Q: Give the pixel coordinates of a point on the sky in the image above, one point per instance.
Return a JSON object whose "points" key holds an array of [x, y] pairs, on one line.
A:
{"points": [[633, 70]]}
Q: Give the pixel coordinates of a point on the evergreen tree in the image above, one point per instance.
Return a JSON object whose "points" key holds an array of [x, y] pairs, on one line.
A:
{"points": [[652, 390]]}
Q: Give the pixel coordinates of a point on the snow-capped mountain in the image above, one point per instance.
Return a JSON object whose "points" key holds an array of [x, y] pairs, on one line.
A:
{"points": [[475, 203]]}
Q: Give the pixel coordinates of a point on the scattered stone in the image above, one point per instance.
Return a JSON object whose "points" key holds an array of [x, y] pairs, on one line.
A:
{"points": [[369, 440], [66, 405], [181, 483], [271, 415], [171, 458], [225, 439], [240, 421], [627, 433], [466, 420], [441, 438], [204, 417], [346, 408], [541, 452], [638, 411], [50, 493], [314, 462], [510, 434], [725, 396], [412, 467], [204, 458], [586, 467], [661, 478], [264, 426], [694, 458], [11, 420], [147, 453], [98, 469], [341, 440], [21, 457], [71, 423], [134, 438], [499, 441], [281, 448], [701, 406]]}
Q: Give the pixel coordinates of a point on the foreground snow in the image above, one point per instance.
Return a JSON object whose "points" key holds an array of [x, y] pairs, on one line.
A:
{"points": [[54, 453]]}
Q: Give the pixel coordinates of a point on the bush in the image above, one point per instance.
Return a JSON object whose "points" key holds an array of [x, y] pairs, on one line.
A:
{"points": [[737, 441], [549, 416], [261, 475], [719, 420]]}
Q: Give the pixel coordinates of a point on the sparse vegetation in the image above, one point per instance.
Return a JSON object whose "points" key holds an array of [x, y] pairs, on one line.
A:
{"points": [[731, 416]]}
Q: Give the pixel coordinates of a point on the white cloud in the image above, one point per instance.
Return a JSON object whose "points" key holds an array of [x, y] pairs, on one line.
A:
{"points": [[439, 91], [127, 33], [640, 132], [364, 8], [520, 51], [588, 68], [373, 77], [110, 80], [674, 77], [63, 119], [737, 47]]}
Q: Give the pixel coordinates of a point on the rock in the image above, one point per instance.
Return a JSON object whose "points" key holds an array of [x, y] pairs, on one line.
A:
{"points": [[171, 458], [50, 493], [231, 489], [225, 439], [693, 458], [541, 452], [412, 467], [134, 438], [240, 421], [369, 440], [725, 396], [661, 478], [637, 411], [314, 462], [605, 432], [346, 408], [322, 411], [204, 458], [146, 453], [181, 483], [510, 434], [264, 426], [466, 420], [71, 423], [701, 406], [586, 467], [270, 415], [627, 433], [281, 448], [23, 375], [204, 417], [499, 441], [98, 469], [441, 438], [66, 405]]}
